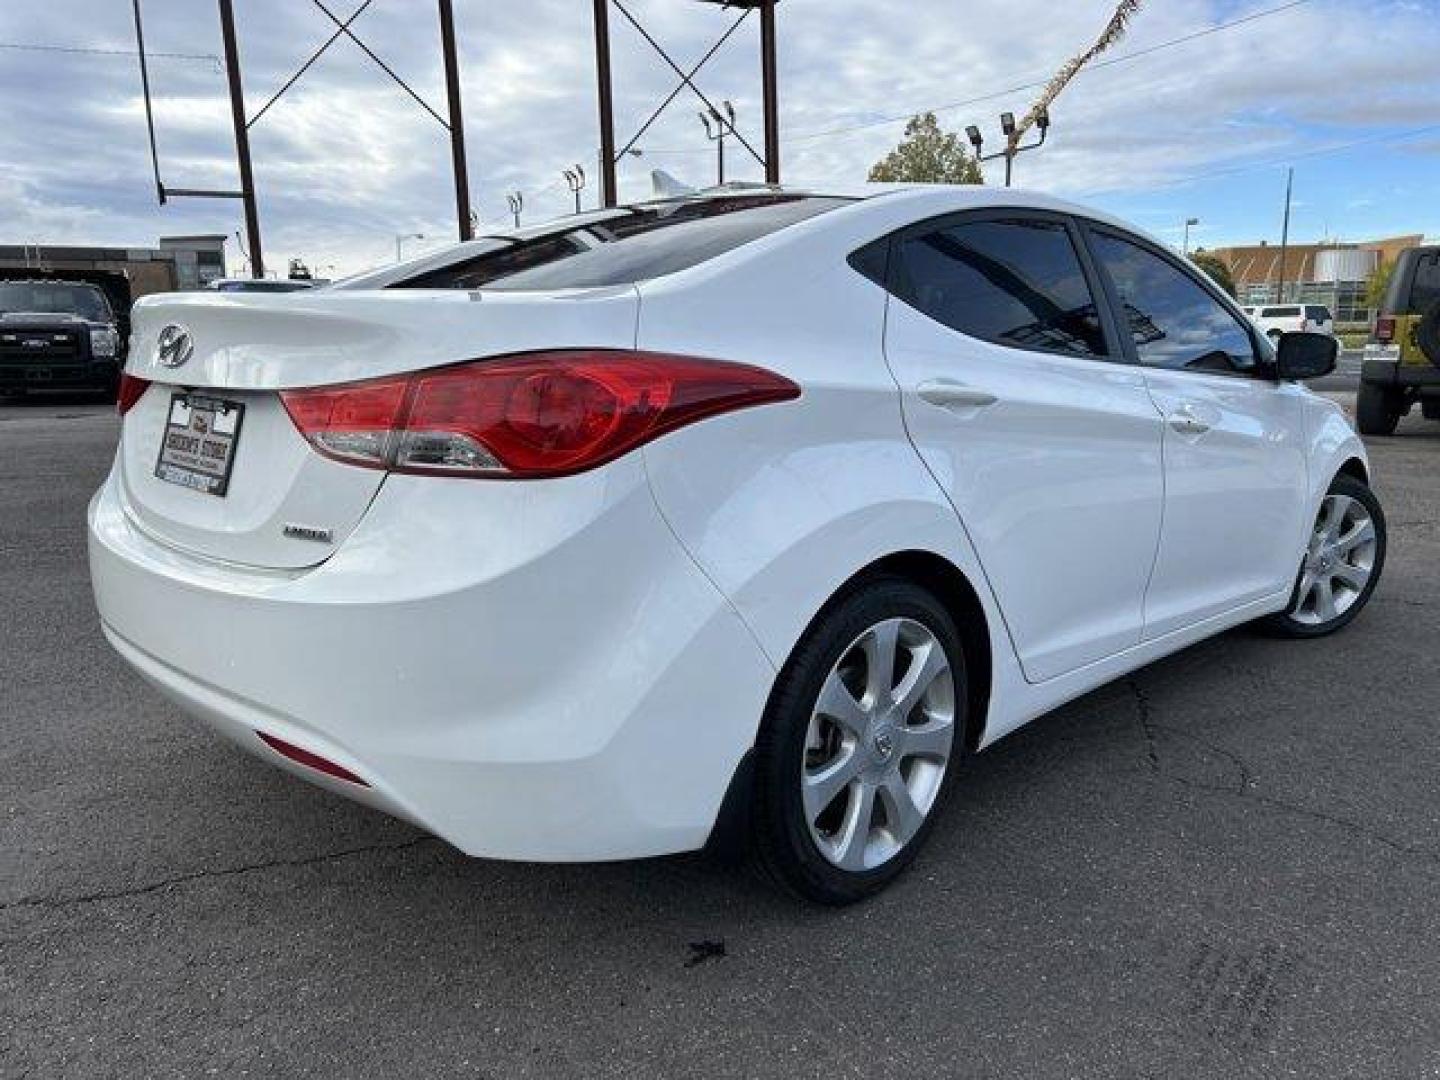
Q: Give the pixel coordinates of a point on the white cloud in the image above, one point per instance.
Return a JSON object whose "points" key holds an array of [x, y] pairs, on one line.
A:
{"points": [[346, 160]]}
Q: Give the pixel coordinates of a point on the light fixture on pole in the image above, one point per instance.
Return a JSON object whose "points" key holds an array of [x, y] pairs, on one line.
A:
{"points": [[1185, 245], [723, 125], [400, 239], [1007, 128], [516, 199], [575, 180]]}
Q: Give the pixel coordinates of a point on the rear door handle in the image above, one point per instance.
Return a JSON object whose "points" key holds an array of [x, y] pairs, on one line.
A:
{"points": [[1186, 422], [954, 395]]}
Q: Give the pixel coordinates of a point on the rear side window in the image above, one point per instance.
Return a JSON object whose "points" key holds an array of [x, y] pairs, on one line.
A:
{"points": [[1280, 313], [1174, 321], [1016, 283], [665, 238]]}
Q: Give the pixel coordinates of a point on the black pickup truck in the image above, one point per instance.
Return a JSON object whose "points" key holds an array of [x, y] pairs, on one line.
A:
{"points": [[58, 335]]}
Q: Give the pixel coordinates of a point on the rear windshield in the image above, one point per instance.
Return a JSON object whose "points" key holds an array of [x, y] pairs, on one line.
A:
{"points": [[54, 298], [652, 241], [1280, 313]]}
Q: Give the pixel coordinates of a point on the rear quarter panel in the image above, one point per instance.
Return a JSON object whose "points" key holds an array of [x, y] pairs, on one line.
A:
{"points": [[780, 505]]}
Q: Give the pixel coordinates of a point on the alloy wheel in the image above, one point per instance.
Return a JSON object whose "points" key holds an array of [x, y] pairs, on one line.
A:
{"points": [[878, 744], [1339, 561]]}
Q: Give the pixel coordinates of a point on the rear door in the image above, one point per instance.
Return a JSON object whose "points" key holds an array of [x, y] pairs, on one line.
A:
{"points": [[1236, 478], [1048, 449]]}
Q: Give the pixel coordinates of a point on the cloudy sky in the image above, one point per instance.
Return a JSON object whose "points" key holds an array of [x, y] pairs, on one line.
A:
{"points": [[1347, 92]]}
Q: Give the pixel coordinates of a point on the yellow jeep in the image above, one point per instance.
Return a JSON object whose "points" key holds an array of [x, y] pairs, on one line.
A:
{"points": [[1402, 361]]}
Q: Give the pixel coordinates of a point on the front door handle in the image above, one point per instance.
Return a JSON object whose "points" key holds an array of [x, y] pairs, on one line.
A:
{"points": [[954, 395]]}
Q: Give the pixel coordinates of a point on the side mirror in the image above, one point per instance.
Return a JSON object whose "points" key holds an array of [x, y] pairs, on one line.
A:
{"points": [[1303, 355]]}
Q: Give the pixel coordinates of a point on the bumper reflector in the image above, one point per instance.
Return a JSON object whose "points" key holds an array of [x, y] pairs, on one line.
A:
{"points": [[309, 760]]}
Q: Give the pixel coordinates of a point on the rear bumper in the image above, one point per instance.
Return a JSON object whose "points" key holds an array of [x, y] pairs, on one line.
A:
{"points": [[529, 671]]}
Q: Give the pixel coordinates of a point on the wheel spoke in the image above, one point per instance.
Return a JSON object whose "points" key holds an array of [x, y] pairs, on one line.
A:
{"points": [[855, 830], [838, 704], [902, 816], [1333, 514], [1362, 533], [927, 663], [1324, 599], [932, 740], [880, 645], [1354, 576], [820, 788]]}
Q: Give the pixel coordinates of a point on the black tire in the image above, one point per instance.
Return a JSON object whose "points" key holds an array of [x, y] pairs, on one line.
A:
{"points": [[781, 840], [1430, 408], [1377, 410], [1427, 334], [1286, 623]]}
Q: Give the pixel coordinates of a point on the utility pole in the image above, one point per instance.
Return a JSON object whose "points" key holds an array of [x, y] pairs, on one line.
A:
{"points": [[242, 137], [770, 92], [1285, 232], [608, 194], [457, 124]]}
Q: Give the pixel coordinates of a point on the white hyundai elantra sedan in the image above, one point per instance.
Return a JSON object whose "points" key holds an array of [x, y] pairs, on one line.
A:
{"points": [[748, 514]]}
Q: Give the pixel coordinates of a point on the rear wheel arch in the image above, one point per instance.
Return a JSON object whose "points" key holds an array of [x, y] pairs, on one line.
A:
{"points": [[949, 584]]}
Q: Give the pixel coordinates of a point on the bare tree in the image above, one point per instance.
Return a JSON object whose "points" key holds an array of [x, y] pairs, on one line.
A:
{"points": [[1114, 31]]}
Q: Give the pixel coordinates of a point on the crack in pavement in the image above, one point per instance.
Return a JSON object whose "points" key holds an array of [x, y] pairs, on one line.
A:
{"points": [[53, 902], [1145, 714]]}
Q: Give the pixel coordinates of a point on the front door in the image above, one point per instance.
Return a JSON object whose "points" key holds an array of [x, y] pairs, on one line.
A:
{"points": [[1235, 464]]}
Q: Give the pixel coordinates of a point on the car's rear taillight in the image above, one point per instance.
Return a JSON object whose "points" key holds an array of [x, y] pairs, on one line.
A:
{"points": [[132, 389], [1385, 329], [522, 417]]}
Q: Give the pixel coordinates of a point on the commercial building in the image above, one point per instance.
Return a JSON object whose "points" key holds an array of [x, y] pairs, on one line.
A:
{"points": [[179, 262], [1332, 274]]}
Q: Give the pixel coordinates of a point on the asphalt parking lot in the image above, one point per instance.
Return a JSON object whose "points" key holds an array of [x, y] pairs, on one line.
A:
{"points": [[1226, 865]]}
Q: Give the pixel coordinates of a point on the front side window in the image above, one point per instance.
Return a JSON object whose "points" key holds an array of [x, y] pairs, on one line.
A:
{"points": [[1173, 320], [1017, 283], [1317, 313]]}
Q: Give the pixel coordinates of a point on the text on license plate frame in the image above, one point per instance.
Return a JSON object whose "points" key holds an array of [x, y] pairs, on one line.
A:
{"points": [[197, 447]]}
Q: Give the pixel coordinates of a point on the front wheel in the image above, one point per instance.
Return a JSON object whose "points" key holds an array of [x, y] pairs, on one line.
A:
{"points": [[861, 735], [1341, 566]]}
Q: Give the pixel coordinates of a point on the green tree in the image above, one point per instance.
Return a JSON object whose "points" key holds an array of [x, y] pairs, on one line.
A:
{"points": [[1377, 283], [1216, 268], [928, 155]]}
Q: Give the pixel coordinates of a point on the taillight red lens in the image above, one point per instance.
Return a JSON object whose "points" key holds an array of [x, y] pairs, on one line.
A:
{"points": [[1385, 329], [132, 389], [521, 417]]}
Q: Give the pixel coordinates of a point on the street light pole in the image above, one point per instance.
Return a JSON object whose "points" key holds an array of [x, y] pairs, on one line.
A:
{"points": [[717, 135], [1185, 246], [1285, 232]]}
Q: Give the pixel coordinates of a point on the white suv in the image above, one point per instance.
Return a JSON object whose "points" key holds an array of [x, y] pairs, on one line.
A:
{"points": [[1279, 319]]}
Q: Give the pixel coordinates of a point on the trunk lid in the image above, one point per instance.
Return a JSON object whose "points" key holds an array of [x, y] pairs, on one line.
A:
{"points": [[284, 506]]}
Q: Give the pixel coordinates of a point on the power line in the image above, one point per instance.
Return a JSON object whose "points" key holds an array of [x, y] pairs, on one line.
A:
{"points": [[1319, 151], [26, 46], [1111, 62]]}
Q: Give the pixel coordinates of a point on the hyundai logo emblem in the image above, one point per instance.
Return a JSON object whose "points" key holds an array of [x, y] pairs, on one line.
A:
{"points": [[175, 346]]}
